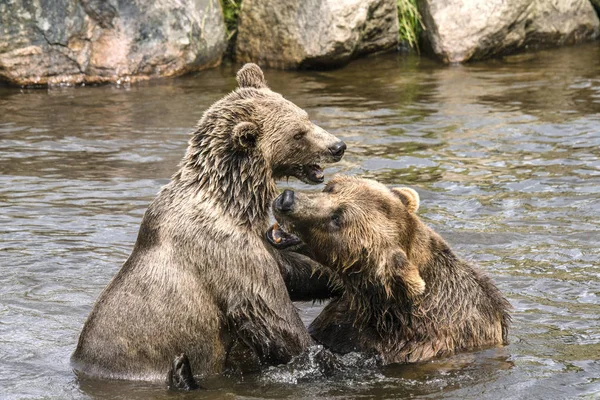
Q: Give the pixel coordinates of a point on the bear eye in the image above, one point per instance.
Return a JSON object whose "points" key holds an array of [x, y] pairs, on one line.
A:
{"points": [[299, 135], [328, 188], [336, 220]]}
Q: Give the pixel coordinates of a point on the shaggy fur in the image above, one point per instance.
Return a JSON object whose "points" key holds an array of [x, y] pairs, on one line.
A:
{"points": [[201, 280], [407, 296]]}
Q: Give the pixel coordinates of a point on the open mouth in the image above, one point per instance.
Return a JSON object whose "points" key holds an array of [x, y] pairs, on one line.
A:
{"points": [[280, 239], [312, 173], [308, 173]]}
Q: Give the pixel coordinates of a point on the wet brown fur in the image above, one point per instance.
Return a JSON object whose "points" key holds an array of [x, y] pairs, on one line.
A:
{"points": [[381, 250], [201, 280]]}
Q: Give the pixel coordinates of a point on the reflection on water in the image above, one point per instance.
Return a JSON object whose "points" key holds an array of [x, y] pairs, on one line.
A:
{"points": [[505, 155]]}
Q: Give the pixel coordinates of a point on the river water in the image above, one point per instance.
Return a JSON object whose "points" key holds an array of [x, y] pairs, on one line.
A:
{"points": [[505, 155]]}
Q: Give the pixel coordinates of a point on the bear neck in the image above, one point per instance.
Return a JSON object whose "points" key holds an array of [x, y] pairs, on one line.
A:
{"points": [[373, 307], [397, 315], [235, 182], [399, 320]]}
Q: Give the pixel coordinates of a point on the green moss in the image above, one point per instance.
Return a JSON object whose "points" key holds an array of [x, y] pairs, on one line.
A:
{"points": [[231, 13], [410, 23]]}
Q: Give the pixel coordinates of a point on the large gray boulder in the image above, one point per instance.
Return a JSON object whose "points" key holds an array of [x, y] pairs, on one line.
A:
{"points": [[95, 41], [314, 33], [462, 30]]}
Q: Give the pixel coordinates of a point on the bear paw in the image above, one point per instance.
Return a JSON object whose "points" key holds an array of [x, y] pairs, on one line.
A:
{"points": [[181, 376]]}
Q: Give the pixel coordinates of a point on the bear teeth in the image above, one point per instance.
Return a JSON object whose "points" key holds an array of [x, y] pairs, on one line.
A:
{"points": [[275, 230]]}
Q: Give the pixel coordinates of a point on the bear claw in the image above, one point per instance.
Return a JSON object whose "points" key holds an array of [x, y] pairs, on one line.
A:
{"points": [[181, 376]]}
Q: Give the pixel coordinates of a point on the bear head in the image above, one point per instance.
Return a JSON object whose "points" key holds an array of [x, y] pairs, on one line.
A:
{"points": [[267, 123], [357, 227]]}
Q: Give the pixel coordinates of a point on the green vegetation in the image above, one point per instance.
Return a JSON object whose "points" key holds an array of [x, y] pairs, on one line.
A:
{"points": [[231, 12], [410, 23]]}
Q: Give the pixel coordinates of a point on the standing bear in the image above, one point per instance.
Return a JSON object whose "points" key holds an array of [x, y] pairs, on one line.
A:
{"points": [[407, 297], [201, 280]]}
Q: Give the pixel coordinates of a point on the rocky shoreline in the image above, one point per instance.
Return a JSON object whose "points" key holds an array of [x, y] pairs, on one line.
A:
{"points": [[69, 42]]}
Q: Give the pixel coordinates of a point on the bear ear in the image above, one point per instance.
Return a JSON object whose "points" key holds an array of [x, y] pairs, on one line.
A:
{"points": [[245, 135], [250, 75], [409, 197], [396, 266]]}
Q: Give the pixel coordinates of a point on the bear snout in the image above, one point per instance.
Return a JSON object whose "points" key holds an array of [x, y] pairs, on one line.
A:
{"points": [[337, 150], [285, 201]]}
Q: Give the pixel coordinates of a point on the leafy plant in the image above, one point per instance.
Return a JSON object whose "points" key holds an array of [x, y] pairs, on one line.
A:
{"points": [[410, 22], [231, 13]]}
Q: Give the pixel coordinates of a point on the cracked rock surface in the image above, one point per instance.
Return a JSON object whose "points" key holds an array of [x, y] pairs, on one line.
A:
{"points": [[51, 42], [462, 30], [314, 33]]}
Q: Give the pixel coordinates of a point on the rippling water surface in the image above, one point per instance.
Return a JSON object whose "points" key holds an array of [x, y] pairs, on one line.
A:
{"points": [[505, 156]]}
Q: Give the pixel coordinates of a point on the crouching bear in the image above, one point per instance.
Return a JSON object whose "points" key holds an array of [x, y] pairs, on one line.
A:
{"points": [[201, 283], [407, 296]]}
